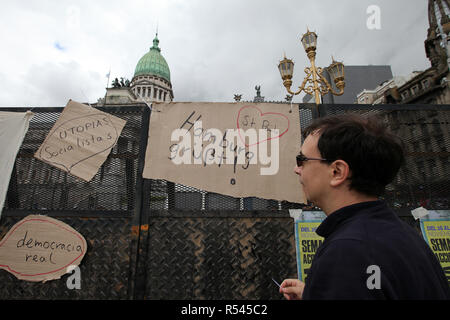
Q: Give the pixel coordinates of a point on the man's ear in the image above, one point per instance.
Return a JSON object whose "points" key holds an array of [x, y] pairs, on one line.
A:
{"points": [[340, 172]]}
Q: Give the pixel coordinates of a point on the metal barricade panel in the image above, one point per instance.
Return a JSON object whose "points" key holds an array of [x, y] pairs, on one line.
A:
{"points": [[105, 210], [209, 255], [104, 271]]}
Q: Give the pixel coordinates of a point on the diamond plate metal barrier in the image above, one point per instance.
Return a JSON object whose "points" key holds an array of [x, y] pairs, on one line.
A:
{"points": [[105, 269], [212, 255]]}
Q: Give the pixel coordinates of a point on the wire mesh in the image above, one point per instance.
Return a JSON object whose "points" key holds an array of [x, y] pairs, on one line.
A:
{"points": [[39, 186], [174, 242], [424, 179]]}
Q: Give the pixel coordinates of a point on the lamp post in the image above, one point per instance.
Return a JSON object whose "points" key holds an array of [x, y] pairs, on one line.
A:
{"points": [[317, 84]]}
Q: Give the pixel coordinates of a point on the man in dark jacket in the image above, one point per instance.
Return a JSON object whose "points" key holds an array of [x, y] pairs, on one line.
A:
{"points": [[344, 165]]}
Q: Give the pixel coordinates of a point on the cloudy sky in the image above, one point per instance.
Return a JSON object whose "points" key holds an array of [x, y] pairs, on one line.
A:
{"points": [[52, 51]]}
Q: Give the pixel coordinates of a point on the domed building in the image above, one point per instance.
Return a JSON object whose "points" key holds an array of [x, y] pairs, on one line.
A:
{"points": [[151, 79], [150, 82]]}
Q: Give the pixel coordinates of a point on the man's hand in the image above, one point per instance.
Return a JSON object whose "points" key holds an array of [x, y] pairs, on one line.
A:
{"points": [[292, 289]]}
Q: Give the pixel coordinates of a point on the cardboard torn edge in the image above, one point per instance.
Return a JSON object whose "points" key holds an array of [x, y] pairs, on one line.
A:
{"points": [[419, 212], [295, 214]]}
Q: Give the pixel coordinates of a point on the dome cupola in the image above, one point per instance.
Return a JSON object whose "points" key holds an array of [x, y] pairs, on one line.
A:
{"points": [[151, 80], [153, 63]]}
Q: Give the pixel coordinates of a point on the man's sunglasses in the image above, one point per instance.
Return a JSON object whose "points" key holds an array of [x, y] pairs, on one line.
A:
{"points": [[301, 158]]}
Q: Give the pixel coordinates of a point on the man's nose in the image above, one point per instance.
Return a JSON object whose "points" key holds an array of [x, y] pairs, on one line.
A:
{"points": [[297, 170]]}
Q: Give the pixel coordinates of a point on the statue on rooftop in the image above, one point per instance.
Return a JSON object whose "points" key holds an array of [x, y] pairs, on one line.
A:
{"points": [[258, 91], [116, 83]]}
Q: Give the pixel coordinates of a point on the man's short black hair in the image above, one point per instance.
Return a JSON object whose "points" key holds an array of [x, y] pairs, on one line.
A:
{"points": [[373, 154]]}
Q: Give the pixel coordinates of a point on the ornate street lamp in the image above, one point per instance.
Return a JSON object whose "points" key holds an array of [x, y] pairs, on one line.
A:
{"points": [[317, 84]]}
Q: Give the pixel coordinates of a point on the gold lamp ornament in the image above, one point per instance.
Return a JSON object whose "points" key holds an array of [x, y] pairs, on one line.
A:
{"points": [[314, 83]]}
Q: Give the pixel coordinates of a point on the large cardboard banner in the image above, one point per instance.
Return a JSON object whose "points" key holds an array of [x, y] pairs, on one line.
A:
{"points": [[236, 149], [13, 127], [80, 140]]}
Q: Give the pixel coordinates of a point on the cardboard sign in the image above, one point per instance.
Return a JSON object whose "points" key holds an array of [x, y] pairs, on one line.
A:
{"points": [[39, 248], [236, 149], [13, 127], [80, 140], [307, 241]]}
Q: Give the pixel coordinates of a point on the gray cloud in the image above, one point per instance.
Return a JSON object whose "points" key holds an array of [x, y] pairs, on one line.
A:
{"points": [[53, 84], [214, 48]]}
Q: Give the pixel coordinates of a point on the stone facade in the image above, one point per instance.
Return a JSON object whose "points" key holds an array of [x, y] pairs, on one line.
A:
{"points": [[432, 85]]}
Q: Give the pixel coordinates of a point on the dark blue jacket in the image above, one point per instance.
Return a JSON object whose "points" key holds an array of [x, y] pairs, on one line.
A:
{"points": [[370, 234]]}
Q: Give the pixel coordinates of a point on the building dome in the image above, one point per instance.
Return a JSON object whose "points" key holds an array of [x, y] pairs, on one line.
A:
{"points": [[153, 63], [151, 80]]}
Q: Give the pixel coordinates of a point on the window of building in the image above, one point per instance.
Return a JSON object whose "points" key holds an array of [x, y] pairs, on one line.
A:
{"points": [[405, 95], [415, 90], [154, 93], [425, 83]]}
